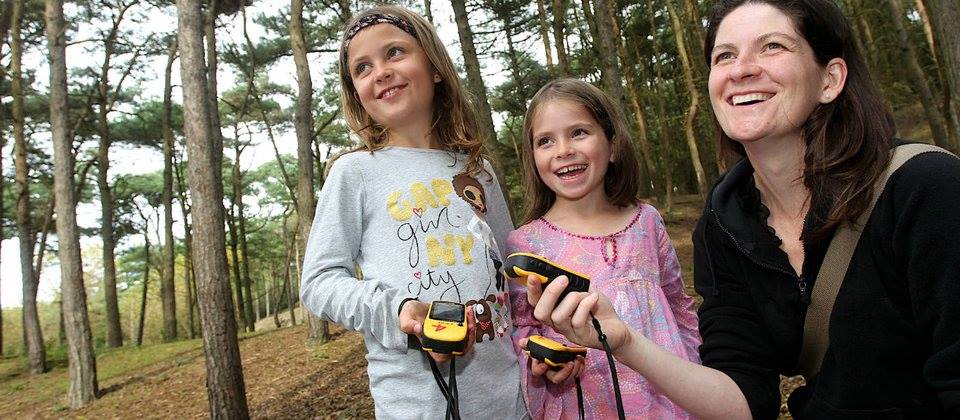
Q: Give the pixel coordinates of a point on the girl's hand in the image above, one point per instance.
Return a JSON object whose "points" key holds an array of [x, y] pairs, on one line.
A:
{"points": [[557, 376], [414, 312], [573, 316]]}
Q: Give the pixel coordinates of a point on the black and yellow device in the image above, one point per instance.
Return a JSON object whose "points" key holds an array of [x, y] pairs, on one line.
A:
{"points": [[553, 353], [445, 328], [522, 264]]}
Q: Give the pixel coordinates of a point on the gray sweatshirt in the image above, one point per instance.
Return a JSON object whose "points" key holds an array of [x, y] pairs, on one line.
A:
{"points": [[417, 229]]}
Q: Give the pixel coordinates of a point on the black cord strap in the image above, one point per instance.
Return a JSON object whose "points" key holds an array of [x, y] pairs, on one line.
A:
{"points": [[449, 392], [579, 398], [613, 368]]}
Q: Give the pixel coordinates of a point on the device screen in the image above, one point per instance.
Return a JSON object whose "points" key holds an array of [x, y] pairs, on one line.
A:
{"points": [[445, 311]]}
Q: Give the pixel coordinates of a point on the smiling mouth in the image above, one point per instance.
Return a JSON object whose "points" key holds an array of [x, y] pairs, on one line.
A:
{"points": [[750, 98], [571, 171], [389, 93]]}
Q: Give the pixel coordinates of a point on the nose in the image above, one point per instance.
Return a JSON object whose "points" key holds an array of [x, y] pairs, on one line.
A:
{"points": [[383, 72], [564, 149], [744, 68]]}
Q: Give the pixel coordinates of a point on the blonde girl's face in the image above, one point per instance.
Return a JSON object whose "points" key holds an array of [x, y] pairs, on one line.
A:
{"points": [[570, 150], [393, 78]]}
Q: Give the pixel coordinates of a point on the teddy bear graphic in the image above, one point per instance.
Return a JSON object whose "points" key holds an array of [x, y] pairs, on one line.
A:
{"points": [[484, 313]]}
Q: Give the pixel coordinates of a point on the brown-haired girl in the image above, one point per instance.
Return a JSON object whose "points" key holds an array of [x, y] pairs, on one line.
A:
{"points": [[581, 180], [418, 209]]}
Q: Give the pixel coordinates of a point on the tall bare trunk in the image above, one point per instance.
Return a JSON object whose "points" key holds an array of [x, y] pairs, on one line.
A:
{"points": [[245, 265], [235, 262], [225, 386], [918, 78], [689, 81], [146, 282], [545, 36], [303, 123], [946, 25], [166, 283], [666, 138], [82, 363], [5, 13], [33, 336], [472, 64], [607, 46], [560, 37], [188, 282]]}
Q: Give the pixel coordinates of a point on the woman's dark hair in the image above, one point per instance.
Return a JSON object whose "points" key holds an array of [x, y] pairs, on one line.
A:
{"points": [[621, 183], [848, 140]]}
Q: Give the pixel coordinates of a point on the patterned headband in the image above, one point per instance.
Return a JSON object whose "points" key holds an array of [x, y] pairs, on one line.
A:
{"points": [[374, 19]]}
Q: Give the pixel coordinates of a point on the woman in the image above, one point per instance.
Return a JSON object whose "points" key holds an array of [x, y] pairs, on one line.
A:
{"points": [[792, 94]]}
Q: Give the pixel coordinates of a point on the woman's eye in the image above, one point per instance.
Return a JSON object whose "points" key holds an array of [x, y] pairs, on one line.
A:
{"points": [[394, 51], [723, 56], [774, 46]]}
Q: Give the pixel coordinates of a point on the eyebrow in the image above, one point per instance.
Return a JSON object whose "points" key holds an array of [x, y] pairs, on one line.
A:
{"points": [[762, 38]]}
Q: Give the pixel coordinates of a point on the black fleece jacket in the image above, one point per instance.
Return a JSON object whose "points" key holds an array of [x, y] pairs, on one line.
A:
{"points": [[895, 328]]}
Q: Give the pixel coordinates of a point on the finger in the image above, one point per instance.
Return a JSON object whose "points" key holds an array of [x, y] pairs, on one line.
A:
{"points": [[565, 309], [471, 329], [439, 358], [548, 299], [560, 376], [580, 365], [538, 368], [533, 290], [522, 342], [584, 310]]}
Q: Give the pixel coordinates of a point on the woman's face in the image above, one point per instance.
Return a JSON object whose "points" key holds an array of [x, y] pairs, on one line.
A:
{"points": [[764, 79]]}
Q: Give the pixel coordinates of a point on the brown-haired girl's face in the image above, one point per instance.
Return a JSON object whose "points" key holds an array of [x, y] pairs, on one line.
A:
{"points": [[393, 78], [764, 79], [570, 149]]}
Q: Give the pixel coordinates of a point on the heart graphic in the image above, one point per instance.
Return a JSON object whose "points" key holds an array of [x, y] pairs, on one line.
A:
{"points": [[418, 211], [417, 275]]}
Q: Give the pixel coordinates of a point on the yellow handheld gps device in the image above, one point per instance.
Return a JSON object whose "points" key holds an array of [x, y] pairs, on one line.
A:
{"points": [[445, 328], [552, 353], [521, 264]]}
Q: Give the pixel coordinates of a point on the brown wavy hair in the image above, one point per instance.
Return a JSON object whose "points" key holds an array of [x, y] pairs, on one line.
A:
{"points": [[622, 180], [848, 140], [455, 122]]}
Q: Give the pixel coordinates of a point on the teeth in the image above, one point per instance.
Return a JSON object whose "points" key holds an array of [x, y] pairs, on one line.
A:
{"points": [[750, 97], [571, 168], [390, 92]]}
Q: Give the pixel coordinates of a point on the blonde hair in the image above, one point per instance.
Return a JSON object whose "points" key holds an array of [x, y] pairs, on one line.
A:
{"points": [[621, 182], [455, 122]]}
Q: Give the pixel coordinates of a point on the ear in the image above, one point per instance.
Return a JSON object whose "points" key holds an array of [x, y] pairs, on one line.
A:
{"points": [[437, 78], [834, 79]]}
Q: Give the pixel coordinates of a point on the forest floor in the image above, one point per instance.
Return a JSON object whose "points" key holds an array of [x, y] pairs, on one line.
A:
{"points": [[286, 375]]}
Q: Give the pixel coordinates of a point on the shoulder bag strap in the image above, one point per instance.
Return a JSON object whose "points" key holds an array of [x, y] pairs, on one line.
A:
{"points": [[816, 326]]}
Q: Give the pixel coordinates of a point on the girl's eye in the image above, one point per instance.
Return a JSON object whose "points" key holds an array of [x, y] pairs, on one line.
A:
{"points": [[361, 68], [579, 132], [543, 141]]}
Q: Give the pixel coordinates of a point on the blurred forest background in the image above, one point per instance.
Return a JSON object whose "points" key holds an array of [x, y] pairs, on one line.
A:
{"points": [[138, 246]]}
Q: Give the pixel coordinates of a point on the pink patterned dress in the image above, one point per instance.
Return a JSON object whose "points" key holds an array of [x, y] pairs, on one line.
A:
{"points": [[637, 269]]}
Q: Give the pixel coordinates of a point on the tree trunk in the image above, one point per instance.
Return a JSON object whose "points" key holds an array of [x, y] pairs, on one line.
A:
{"points": [[5, 14], [225, 386], [166, 283], [559, 36], [146, 282], [946, 25], [666, 138], [689, 81], [235, 265], [114, 332], [82, 362], [288, 287], [189, 284], [472, 65], [545, 37], [606, 45], [245, 263], [303, 123], [917, 78], [32, 334]]}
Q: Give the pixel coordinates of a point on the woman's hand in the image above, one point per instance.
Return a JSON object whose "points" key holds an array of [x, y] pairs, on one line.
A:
{"points": [[414, 312], [573, 316]]}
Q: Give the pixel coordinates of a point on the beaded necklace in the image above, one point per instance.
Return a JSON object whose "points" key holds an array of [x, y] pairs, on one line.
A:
{"points": [[605, 240]]}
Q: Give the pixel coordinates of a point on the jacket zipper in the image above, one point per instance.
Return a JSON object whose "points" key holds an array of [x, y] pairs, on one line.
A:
{"points": [[801, 281]]}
